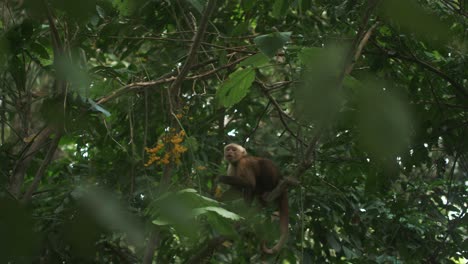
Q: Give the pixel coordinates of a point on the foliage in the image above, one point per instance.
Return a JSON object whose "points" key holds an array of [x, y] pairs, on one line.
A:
{"points": [[113, 115]]}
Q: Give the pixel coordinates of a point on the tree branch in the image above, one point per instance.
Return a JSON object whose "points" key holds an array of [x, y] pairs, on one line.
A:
{"points": [[23, 163], [165, 79], [458, 87], [175, 87], [280, 111], [151, 247], [40, 172], [283, 185], [360, 47]]}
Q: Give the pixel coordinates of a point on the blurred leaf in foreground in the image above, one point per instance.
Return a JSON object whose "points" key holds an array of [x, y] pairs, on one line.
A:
{"points": [[319, 97], [413, 18], [383, 120]]}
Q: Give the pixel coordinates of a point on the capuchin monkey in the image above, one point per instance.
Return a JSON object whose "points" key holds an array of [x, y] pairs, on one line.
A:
{"points": [[256, 177]]}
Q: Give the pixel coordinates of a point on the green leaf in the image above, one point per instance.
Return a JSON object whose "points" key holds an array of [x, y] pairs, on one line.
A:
{"points": [[222, 225], [255, 61], [319, 97], [309, 56], [269, 44], [192, 143], [159, 222], [383, 119], [40, 50], [196, 195], [411, 17], [198, 5], [235, 87], [220, 211], [349, 253], [188, 190], [333, 242], [101, 11], [351, 83], [280, 7]]}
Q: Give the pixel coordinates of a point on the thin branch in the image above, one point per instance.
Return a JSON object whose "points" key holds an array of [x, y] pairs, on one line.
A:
{"points": [[151, 247], [360, 47], [359, 40], [40, 172], [136, 86], [238, 49], [58, 48], [281, 113], [25, 160], [309, 156], [392, 54], [175, 87], [258, 123]]}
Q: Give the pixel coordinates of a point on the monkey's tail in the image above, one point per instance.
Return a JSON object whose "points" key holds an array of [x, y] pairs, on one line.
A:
{"points": [[284, 219]]}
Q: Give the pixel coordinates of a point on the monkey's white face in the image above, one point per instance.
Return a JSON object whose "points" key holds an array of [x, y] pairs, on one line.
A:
{"points": [[234, 152]]}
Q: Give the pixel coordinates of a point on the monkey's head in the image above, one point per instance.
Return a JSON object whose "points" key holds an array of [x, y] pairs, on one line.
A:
{"points": [[234, 152]]}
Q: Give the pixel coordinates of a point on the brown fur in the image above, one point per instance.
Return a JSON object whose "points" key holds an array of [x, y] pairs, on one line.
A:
{"points": [[256, 177]]}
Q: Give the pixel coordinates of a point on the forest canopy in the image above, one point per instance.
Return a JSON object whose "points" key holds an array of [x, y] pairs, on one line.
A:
{"points": [[114, 115]]}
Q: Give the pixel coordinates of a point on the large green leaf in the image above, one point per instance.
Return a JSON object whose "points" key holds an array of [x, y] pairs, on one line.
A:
{"points": [[256, 60], [413, 18], [319, 98], [280, 7], [235, 87], [198, 5], [269, 44], [219, 210]]}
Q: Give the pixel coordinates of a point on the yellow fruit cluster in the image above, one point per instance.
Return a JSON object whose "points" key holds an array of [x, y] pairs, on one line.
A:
{"points": [[172, 153], [200, 168]]}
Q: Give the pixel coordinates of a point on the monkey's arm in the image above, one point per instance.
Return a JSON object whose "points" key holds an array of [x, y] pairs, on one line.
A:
{"points": [[234, 181]]}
